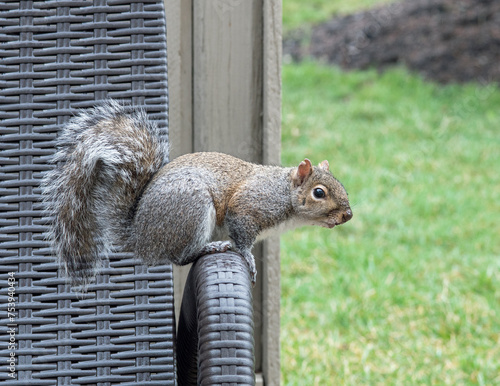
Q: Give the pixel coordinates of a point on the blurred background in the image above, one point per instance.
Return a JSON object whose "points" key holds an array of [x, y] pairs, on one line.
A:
{"points": [[403, 99]]}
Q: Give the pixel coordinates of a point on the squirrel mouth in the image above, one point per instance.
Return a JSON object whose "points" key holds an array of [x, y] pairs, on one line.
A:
{"points": [[338, 219]]}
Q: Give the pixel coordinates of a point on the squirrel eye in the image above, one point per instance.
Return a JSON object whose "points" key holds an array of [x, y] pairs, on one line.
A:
{"points": [[319, 193]]}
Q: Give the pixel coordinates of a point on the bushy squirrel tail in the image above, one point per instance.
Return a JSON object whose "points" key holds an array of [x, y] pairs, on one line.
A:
{"points": [[106, 156]]}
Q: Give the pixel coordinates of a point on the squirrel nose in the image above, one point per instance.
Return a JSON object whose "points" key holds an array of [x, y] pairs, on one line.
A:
{"points": [[347, 215]]}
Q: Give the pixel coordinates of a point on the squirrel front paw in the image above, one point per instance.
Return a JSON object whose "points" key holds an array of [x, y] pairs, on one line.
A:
{"points": [[223, 246], [216, 247]]}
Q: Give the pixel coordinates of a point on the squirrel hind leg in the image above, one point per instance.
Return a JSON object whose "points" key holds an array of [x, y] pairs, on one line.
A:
{"points": [[200, 237], [175, 223]]}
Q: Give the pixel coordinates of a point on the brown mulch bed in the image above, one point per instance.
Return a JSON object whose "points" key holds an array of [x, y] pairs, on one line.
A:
{"points": [[445, 40]]}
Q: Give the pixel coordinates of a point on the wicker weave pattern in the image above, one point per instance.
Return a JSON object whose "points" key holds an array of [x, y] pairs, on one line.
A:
{"points": [[225, 324], [216, 320], [56, 57]]}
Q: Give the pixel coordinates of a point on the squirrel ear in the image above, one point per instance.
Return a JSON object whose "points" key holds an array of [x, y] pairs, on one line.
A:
{"points": [[303, 171], [324, 165]]}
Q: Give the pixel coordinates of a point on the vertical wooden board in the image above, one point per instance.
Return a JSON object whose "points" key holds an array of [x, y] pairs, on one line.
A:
{"points": [[271, 83], [180, 68], [270, 306], [272, 47], [179, 43], [227, 77]]}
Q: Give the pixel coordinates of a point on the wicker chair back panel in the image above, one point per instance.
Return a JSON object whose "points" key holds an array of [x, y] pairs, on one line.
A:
{"points": [[57, 57]]}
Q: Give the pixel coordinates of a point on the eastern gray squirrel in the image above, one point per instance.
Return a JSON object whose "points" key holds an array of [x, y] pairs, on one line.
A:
{"points": [[112, 184]]}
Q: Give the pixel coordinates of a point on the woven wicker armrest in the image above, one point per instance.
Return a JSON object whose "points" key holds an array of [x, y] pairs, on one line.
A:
{"points": [[216, 322]]}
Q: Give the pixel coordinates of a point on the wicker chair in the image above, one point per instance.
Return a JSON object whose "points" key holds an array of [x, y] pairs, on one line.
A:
{"points": [[57, 57]]}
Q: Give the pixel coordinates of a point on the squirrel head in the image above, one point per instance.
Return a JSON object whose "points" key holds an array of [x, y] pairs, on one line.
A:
{"points": [[318, 197]]}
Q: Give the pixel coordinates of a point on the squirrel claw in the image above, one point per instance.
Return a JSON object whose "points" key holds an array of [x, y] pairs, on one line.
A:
{"points": [[216, 247], [253, 278]]}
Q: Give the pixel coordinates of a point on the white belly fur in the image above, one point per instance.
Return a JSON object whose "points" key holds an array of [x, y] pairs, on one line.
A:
{"points": [[222, 234], [280, 228]]}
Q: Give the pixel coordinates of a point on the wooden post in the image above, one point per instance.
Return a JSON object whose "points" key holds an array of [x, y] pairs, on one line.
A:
{"points": [[271, 123], [180, 116]]}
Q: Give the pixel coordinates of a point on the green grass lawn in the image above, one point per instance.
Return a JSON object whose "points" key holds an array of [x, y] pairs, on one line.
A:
{"points": [[407, 292], [297, 13]]}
